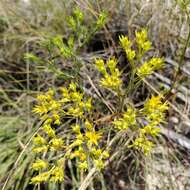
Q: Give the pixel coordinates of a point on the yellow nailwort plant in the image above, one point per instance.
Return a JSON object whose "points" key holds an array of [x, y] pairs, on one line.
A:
{"points": [[110, 79], [70, 131], [143, 121], [84, 146]]}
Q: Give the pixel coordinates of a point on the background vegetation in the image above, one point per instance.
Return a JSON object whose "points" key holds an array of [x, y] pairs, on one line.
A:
{"points": [[24, 24]]}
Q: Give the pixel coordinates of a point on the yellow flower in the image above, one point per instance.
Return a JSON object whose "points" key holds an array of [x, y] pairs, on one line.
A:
{"points": [[88, 104], [111, 63], [72, 87], [96, 152], [56, 118], [39, 164], [144, 144], [56, 144], [76, 128], [46, 97], [120, 124], [126, 45], [145, 70], [111, 81], [130, 116], [40, 149], [50, 132], [88, 125], [105, 154], [83, 165], [75, 111], [141, 35], [57, 174], [80, 137], [125, 42], [54, 105], [100, 66], [77, 142], [48, 121], [130, 54], [150, 66], [128, 120], [99, 164], [42, 177], [65, 94], [142, 40], [79, 14], [155, 110], [39, 140], [40, 109], [76, 96], [79, 153], [150, 130], [93, 137], [146, 46]]}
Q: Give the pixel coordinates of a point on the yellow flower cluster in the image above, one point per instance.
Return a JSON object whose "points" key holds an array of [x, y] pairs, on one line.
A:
{"points": [[143, 143], [48, 108], [150, 66], [85, 146], [55, 174], [42, 145], [47, 172], [126, 45], [142, 41], [39, 164], [143, 45], [75, 101], [154, 113], [52, 172], [128, 120], [110, 79], [111, 74], [154, 110], [85, 142]]}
